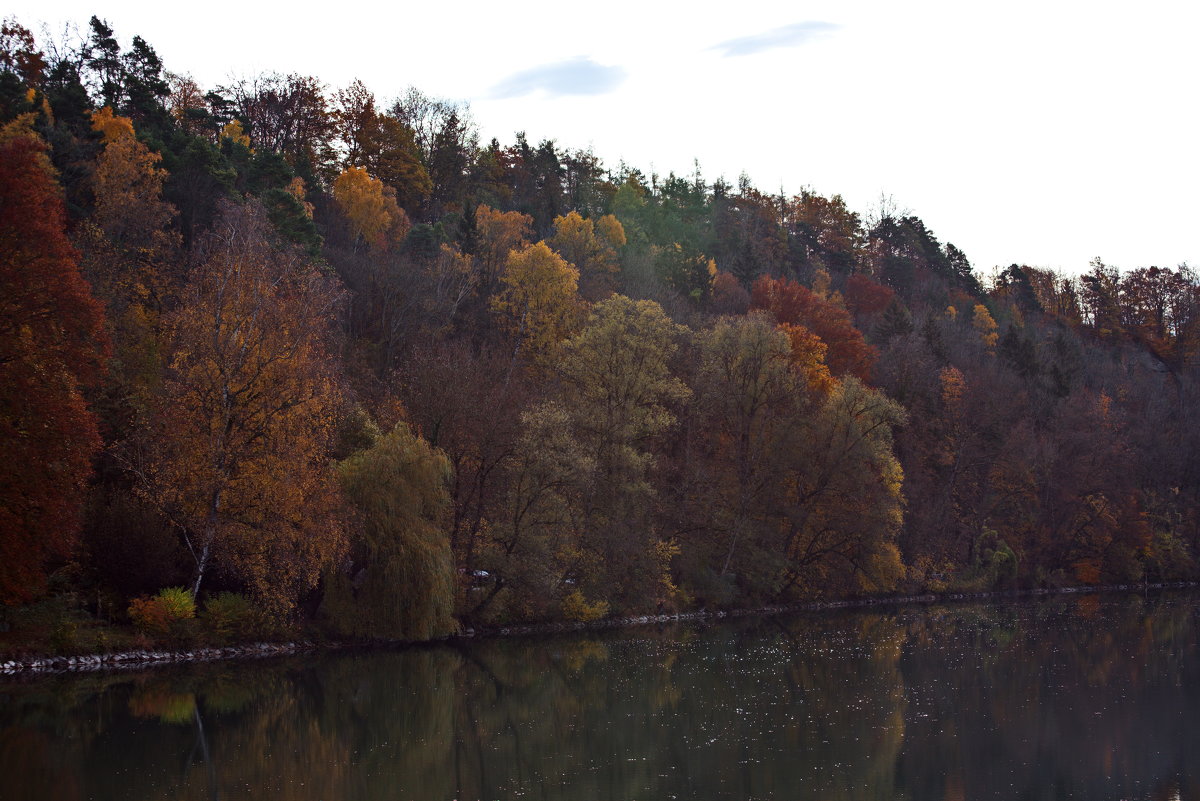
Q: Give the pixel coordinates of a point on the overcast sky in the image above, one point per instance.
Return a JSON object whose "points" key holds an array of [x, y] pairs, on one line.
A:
{"points": [[1034, 132]]}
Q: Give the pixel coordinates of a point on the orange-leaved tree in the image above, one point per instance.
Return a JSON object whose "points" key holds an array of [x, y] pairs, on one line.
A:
{"points": [[236, 453], [51, 340], [128, 184]]}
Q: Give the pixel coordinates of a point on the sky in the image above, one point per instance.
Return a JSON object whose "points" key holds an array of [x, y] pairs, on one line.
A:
{"points": [[1041, 133]]}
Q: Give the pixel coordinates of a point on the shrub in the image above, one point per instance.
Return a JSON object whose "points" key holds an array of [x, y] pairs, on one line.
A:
{"points": [[179, 602], [229, 613], [156, 613], [576, 607], [149, 614]]}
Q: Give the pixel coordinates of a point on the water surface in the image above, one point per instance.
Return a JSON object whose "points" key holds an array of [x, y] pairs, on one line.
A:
{"points": [[1089, 697]]}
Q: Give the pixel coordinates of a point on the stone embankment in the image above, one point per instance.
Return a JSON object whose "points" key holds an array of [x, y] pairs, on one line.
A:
{"points": [[139, 659]]}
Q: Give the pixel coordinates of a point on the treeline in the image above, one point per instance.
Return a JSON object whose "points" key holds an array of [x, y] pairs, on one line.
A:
{"points": [[342, 358]]}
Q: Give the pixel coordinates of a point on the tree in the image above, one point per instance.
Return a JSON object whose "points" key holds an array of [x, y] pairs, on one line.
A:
{"points": [[361, 199], [235, 454], [399, 582], [22, 70], [146, 87], [620, 389], [128, 185], [1161, 312], [102, 56], [391, 153], [749, 400], [539, 305], [445, 139], [1101, 300], [829, 233], [289, 115], [19, 53], [789, 302], [536, 547], [842, 503], [370, 208], [52, 342], [498, 234], [686, 270], [594, 248], [381, 144], [985, 327]]}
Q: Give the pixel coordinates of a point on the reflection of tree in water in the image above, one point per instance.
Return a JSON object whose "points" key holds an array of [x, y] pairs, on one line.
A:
{"points": [[1088, 698], [1085, 699]]}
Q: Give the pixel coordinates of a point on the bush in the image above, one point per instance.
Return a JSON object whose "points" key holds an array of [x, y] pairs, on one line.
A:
{"points": [[229, 614], [576, 607], [156, 614], [179, 602]]}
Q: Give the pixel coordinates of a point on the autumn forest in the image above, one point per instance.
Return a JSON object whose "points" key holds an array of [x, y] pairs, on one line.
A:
{"points": [[278, 354]]}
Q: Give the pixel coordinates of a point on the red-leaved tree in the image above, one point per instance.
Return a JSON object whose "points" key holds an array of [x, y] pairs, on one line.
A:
{"points": [[51, 342], [794, 304]]}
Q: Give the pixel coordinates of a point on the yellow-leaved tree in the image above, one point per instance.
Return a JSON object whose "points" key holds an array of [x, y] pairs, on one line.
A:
{"points": [[593, 248], [539, 305], [985, 327], [500, 233], [370, 207]]}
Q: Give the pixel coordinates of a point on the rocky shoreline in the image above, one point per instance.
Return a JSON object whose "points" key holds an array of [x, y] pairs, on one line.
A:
{"points": [[127, 660]]}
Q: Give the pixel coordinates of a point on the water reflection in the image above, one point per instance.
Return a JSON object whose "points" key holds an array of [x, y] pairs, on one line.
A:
{"points": [[1094, 697]]}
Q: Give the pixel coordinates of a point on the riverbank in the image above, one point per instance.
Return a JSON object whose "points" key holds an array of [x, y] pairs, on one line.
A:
{"points": [[144, 658]]}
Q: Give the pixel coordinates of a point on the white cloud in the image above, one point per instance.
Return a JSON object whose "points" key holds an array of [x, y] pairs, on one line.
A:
{"points": [[794, 35], [576, 76]]}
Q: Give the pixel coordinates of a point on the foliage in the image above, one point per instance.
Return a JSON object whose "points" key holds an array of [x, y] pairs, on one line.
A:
{"points": [[539, 303], [371, 209], [848, 352], [235, 452], [52, 342], [128, 184], [586, 455], [620, 390], [577, 608], [229, 614], [399, 583], [158, 613]]}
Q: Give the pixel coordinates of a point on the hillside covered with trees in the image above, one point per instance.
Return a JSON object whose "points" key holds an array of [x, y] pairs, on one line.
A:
{"points": [[319, 356]]}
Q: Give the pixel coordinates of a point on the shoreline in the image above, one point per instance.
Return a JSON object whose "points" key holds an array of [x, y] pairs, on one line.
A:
{"points": [[134, 660]]}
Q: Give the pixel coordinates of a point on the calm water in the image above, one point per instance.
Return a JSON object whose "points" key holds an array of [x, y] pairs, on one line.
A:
{"points": [[1093, 697]]}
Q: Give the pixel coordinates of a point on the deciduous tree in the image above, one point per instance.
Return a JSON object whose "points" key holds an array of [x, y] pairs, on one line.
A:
{"points": [[236, 452], [399, 582], [621, 391], [539, 305], [52, 341], [789, 302]]}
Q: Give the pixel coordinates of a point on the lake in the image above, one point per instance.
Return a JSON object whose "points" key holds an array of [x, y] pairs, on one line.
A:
{"points": [[1085, 696]]}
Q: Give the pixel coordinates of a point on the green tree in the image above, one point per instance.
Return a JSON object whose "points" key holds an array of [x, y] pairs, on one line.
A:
{"points": [[536, 544], [841, 506], [622, 393], [750, 405], [399, 580]]}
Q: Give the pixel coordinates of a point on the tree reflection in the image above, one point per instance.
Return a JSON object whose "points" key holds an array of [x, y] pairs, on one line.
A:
{"points": [[1092, 697]]}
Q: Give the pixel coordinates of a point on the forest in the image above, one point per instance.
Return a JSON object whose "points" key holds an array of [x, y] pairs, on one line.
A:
{"points": [[277, 354]]}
